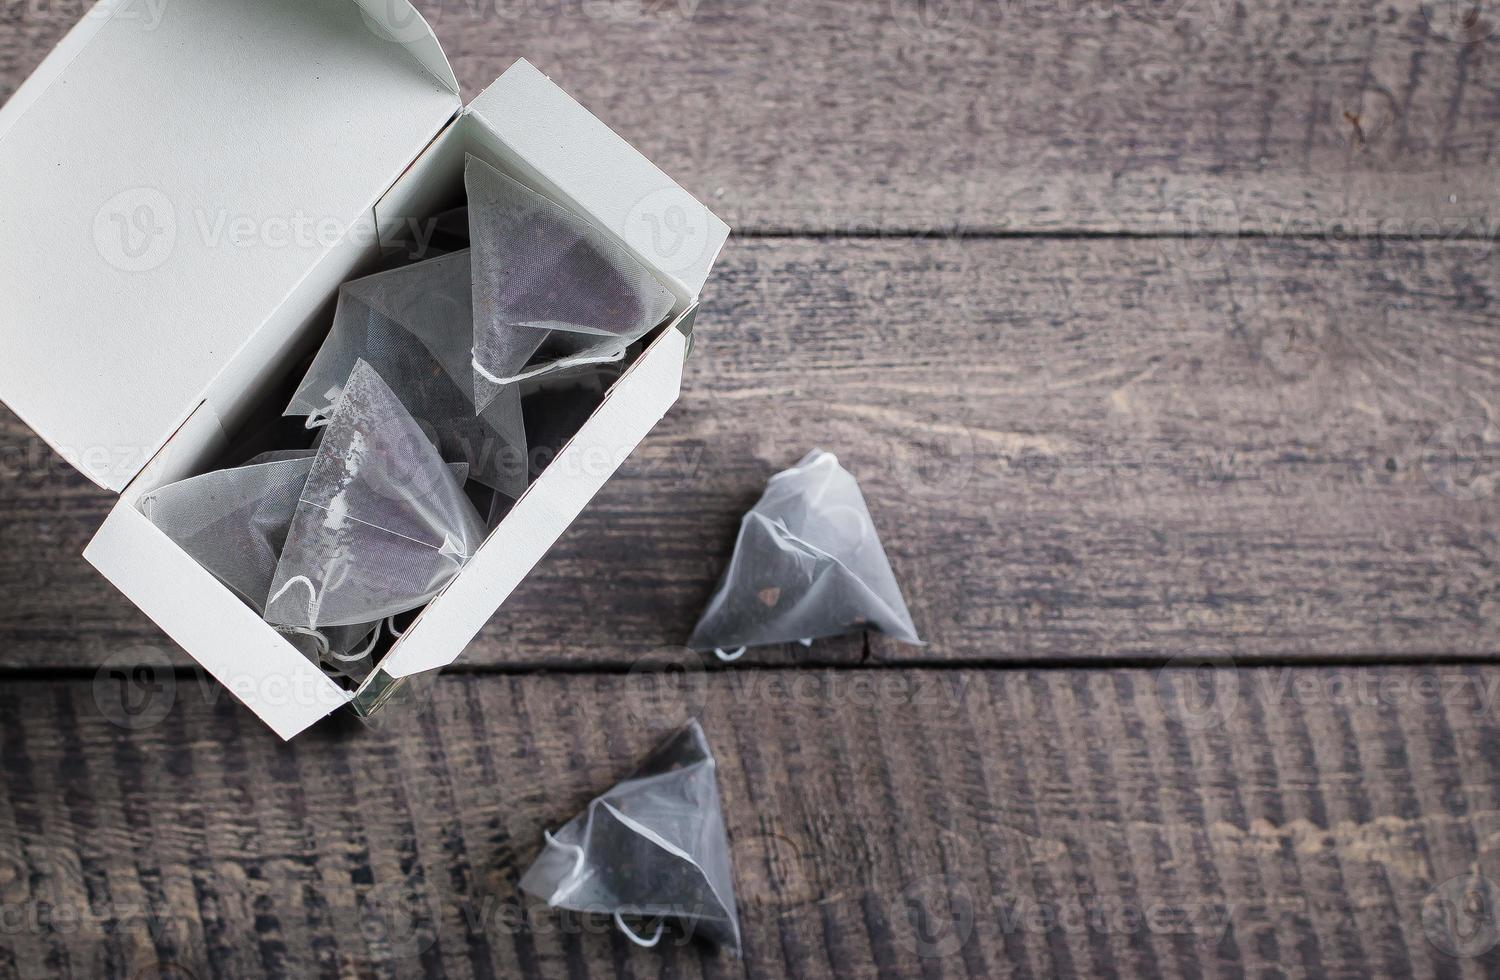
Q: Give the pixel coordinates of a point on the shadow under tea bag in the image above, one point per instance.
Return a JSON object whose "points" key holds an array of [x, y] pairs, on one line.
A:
{"points": [[550, 289], [414, 325], [556, 406], [449, 231], [382, 523], [807, 564], [234, 523], [653, 847]]}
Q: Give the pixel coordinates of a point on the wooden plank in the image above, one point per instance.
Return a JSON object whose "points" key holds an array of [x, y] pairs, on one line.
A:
{"points": [[1044, 823], [1072, 449], [1314, 117]]}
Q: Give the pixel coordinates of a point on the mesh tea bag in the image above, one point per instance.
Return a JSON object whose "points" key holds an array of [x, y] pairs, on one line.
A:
{"points": [[653, 847], [807, 564], [550, 289], [414, 325], [381, 524], [234, 522], [281, 455]]}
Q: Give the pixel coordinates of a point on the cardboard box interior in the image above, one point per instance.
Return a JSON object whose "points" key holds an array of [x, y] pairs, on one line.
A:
{"points": [[146, 366], [206, 442]]}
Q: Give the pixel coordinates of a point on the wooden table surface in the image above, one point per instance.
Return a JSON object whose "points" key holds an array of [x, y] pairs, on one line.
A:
{"points": [[1164, 340]]}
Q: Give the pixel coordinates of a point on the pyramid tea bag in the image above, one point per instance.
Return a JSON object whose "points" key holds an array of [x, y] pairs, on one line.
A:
{"points": [[382, 523], [807, 564], [415, 327], [550, 289], [653, 847], [234, 522]]}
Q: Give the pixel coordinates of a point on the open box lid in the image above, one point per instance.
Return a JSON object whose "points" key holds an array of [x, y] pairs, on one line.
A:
{"points": [[171, 172]]}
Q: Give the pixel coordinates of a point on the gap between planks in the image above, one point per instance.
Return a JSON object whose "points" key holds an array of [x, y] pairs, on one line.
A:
{"points": [[995, 233], [34, 675]]}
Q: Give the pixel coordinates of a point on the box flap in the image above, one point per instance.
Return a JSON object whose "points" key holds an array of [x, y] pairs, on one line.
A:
{"points": [[399, 21], [171, 172], [232, 642], [565, 148]]}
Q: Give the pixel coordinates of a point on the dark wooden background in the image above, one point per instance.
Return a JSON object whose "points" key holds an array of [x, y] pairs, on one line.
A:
{"points": [[1163, 338]]}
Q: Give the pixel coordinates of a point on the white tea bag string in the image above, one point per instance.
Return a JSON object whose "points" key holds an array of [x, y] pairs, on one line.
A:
{"points": [[633, 937], [579, 360], [574, 876]]}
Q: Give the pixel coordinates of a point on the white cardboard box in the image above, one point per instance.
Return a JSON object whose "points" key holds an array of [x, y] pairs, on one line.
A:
{"points": [[185, 187]]}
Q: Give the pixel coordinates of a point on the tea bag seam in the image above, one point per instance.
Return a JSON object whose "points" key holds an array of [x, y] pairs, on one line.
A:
{"points": [[648, 833], [324, 649], [671, 849], [373, 301], [441, 549]]}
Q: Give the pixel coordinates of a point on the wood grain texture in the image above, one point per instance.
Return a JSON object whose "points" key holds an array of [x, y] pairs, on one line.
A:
{"points": [[1203, 445], [1072, 449], [1369, 117], [883, 823]]}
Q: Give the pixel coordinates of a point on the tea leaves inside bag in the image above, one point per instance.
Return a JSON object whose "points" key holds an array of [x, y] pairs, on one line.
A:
{"points": [[550, 289], [414, 325], [382, 523]]}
